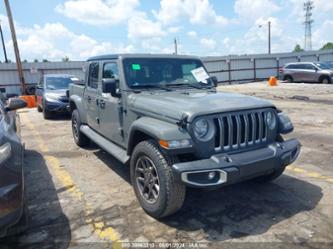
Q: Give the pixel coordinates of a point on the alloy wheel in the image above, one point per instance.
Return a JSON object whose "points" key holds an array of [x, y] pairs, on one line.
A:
{"points": [[75, 128], [147, 179]]}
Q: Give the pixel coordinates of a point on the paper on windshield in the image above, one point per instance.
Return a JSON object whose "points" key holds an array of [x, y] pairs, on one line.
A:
{"points": [[200, 75]]}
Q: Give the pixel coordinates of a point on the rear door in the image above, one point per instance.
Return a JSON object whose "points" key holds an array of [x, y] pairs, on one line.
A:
{"points": [[91, 95], [110, 113], [298, 72]]}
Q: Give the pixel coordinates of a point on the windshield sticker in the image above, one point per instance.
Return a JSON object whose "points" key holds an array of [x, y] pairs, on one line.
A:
{"points": [[136, 67], [200, 75]]}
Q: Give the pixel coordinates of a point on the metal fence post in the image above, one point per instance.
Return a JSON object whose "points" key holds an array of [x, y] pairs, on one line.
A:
{"points": [[277, 66], [254, 69], [229, 71]]}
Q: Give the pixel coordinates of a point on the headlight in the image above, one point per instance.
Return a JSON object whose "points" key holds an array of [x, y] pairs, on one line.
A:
{"points": [[204, 129], [271, 120], [51, 98], [285, 124]]}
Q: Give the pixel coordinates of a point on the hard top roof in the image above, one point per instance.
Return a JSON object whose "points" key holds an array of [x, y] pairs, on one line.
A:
{"points": [[123, 56]]}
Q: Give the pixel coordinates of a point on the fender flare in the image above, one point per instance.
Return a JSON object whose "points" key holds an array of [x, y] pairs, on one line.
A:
{"points": [[155, 129], [77, 101]]}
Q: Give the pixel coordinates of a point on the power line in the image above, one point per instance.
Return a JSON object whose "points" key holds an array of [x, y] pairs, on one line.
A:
{"points": [[308, 7]]}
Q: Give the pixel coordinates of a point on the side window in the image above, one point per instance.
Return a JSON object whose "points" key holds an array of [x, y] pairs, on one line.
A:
{"points": [[300, 66], [93, 75], [309, 66], [292, 66], [110, 71]]}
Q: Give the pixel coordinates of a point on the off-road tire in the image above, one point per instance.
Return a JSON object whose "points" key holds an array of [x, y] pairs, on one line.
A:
{"points": [[172, 191], [79, 138], [39, 109], [288, 79]]}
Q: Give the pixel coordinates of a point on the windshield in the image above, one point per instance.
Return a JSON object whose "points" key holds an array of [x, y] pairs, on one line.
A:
{"points": [[155, 72], [58, 83], [323, 65]]}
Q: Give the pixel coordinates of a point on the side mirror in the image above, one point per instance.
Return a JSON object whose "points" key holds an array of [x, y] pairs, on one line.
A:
{"points": [[111, 86], [15, 104], [214, 80]]}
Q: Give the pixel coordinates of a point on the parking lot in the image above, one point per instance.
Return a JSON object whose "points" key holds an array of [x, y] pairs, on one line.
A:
{"points": [[83, 198]]}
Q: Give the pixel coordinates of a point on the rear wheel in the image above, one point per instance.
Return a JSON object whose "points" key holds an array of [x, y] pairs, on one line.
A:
{"points": [[160, 194], [79, 138], [289, 79]]}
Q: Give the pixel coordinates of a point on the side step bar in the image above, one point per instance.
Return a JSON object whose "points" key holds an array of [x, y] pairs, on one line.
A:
{"points": [[105, 144]]}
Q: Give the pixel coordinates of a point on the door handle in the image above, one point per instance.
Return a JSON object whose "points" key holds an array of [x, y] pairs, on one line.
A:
{"points": [[89, 99], [102, 104]]}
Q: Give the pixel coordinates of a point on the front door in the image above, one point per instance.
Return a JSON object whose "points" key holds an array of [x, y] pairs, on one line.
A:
{"points": [[91, 96], [110, 113], [309, 73]]}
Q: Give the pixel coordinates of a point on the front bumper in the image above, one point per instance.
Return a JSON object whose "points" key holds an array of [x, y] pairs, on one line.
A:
{"points": [[233, 168], [59, 107]]}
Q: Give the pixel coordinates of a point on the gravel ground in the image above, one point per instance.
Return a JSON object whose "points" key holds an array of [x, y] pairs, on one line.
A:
{"points": [[82, 198]]}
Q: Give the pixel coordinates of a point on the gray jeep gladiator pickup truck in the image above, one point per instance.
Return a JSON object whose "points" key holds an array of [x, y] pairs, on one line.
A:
{"points": [[163, 116]]}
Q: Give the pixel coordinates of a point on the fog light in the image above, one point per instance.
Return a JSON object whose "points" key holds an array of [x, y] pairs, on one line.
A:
{"points": [[211, 175]]}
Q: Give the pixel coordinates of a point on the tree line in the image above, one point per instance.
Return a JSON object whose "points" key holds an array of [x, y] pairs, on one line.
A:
{"points": [[327, 46]]}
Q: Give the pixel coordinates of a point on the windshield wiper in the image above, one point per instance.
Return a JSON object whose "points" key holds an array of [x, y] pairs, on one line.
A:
{"points": [[158, 86], [193, 85]]}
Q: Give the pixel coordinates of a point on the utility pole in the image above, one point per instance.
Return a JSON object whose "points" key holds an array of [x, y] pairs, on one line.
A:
{"points": [[269, 37], [3, 44], [176, 46], [16, 50], [308, 7]]}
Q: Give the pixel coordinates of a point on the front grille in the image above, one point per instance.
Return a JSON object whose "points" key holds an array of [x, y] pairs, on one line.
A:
{"points": [[240, 130], [63, 99]]}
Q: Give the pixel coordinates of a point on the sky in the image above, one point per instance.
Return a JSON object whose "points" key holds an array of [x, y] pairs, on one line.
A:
{"points": [[79, 29]]}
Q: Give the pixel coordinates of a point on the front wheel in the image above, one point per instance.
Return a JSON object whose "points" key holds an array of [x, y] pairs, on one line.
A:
{"points": [[160, 194], [46, 114], [79, 138], [325, 80]]}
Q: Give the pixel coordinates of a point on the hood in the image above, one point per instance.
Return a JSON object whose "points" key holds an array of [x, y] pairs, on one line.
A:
{"points": [[56, 93], [174, 105]]}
